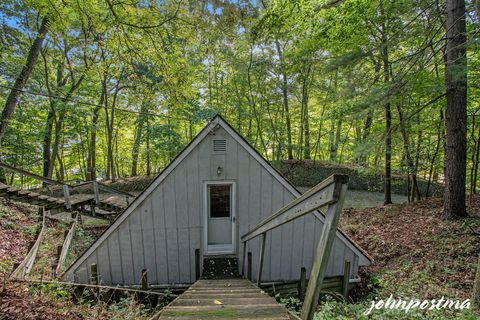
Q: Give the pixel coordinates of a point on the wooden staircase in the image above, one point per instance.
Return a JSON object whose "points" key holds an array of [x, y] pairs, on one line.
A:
{"points": [[106, 208], [224, 299], [30, 197]]}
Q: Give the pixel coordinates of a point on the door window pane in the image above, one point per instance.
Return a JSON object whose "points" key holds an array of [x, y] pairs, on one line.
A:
{"points": [[219, 201]]}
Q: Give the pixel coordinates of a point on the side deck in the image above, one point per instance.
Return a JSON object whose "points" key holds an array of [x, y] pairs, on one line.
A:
{"points": [[224, 299]]}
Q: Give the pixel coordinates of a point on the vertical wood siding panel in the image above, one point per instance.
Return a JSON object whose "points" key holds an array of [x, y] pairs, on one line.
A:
{"points": [[126, 252], [194, 192], [148, 239], [243, 202], [103, 265], [309, 242], [276, 237], [287, 246], [184, 254], [172, 250], [255, 185], [115, 261], [169, 201], [349, 255], [80, 275], [181, 195], [231, 162], [193, 209], [266, 210], [158, 212], [297, 241], [137, 243], [185, 260], [336, 258], [171, 228], [354, 271], [195, 243]]}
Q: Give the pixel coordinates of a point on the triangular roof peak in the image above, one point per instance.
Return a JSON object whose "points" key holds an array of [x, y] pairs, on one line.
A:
{"points": [[217, 120]]}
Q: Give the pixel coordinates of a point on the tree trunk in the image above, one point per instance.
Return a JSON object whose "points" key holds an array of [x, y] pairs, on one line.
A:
{"points": [[306, 120], [92, 153], [476, 287], [285, 103], [21, 81], [477, 155], [435, 154], [47, 137], [388, 119], [149, 169], [138, 139], [456, 119], [412, 176]]}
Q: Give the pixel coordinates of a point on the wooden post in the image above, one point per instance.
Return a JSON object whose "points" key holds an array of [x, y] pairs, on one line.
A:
{"points": [[96, 195], [346, 278], [66, 195], [244, 256], [262, 255], [197, 264], [59, 251], [94, 274], [144, 280], [322, 254], [249, 266], [302, 284]]}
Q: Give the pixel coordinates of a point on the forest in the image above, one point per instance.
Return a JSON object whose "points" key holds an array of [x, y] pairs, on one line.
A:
{"points": [[106, 90], [116, 89]]}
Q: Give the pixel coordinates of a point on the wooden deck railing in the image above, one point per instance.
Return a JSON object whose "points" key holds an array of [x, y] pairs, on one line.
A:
{"points": [[330, 192], [67, 188]]}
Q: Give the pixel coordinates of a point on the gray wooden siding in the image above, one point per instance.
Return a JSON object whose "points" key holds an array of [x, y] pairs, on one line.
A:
{"points": [[161, 235]]}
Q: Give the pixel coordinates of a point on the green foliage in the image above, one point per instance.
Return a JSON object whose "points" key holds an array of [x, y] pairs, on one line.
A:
{"points": [[163, 82], [9, 225], [291, 302], [56, 292], [309, 173], [30, 231], [127, 308], [344, 311]]}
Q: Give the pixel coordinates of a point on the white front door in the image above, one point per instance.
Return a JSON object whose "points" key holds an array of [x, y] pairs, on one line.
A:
{"points": [[220, 217]]}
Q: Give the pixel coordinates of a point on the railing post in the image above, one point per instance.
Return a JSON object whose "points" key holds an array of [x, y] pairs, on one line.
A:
{"points": [[346, 278], [322, 255], [66, 195], [244, 256], [249, 266], [262, 255], [302, 284], [197, 264], [96, 195], [93, 274], [144, 280]]}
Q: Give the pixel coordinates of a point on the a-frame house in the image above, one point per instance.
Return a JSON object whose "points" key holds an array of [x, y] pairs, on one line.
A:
{"points": [[210, 195]]}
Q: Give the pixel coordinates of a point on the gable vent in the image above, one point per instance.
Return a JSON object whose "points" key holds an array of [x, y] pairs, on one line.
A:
{"points": [[219, 145]]}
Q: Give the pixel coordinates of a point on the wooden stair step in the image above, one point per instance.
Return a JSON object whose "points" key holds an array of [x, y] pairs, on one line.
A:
{"points": [[225, 301], [274, 311], [221, 295]]}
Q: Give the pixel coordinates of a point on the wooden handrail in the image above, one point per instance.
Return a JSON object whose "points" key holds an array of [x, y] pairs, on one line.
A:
{"points": [[109, 188], [330, 192], [30, 174], [324, 193]]}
